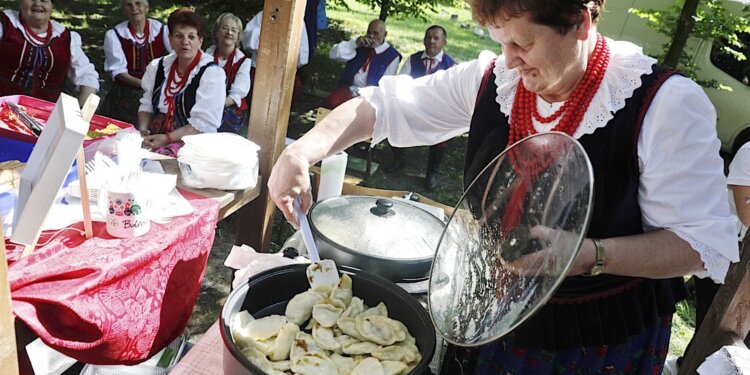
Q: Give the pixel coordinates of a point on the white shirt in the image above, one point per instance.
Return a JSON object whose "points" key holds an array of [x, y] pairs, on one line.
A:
{"points": [[81, 72], [739, 174], [682, 187], [241, 85], [406, 68], [205, 116], [347, 50], [251, 40], [115, 62]]}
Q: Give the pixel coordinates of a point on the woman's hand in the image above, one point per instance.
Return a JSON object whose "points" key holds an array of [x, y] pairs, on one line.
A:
{"points": [[552, 241], [155, 141], [289, 179]]}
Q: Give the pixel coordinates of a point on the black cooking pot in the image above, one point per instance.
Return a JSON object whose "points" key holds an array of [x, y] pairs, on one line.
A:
{"points": [[268, 293]]}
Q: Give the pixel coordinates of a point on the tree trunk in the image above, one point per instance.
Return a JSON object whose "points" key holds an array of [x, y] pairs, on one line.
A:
{"points": [[684, 27], [385, 7]]}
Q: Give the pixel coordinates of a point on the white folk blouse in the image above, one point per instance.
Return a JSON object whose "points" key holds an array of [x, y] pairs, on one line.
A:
{"points": [[682, 185], [241, 85], [114, 57], [205, 116], [81, 72]]}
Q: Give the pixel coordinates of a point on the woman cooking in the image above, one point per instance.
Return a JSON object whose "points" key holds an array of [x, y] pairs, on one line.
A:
{"points": [[660, 208], [236, 67], [128, 48], [39, 54], [183, 91]]}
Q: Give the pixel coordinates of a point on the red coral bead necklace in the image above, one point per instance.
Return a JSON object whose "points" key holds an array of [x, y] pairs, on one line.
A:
{"points": [[572, 111]]}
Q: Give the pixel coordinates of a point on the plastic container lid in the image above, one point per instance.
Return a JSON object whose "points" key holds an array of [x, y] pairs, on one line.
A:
{"points": [[378, 227], [511, 240]]}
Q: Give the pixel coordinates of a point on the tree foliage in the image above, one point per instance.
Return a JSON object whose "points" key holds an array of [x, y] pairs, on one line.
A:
{"points": [[709, 20], [398, 8]]}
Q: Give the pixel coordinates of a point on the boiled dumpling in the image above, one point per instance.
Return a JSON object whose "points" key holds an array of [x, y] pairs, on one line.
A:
{"points": [[314, 364], [345, 365], [356, 307], [364, 347], [344, 340], [241, 336], [380, 310], [343, 291], [257, 358], [263, 328], [402, 352], [349, 327], [303, 344], [283, 343], [369, 366], [409, 338], [379, 329], [323, 336], [393, 367], [327, 314], [299, 308], [284, 365]]}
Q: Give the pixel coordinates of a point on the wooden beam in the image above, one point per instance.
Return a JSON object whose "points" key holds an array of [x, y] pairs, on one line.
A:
{"points": [[278, 51], [729, 315], [8, 355]]}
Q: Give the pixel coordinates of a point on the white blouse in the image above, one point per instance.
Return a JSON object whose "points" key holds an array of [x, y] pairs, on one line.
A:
{"points": [[205, 116], [115, 62], [347, 50], [81, 72], [682, 186], [251, 40], [241, 85]]}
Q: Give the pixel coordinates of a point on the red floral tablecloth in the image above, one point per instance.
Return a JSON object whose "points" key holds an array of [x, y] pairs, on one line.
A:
{"points": [[114, 301]]}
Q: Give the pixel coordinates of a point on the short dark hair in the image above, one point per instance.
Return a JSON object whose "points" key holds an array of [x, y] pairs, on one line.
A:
{"points": [[186, 17], [433, 27], [561, 15]]}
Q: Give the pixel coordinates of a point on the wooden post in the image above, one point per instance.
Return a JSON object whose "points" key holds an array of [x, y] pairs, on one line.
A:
{"points": [[729, 315], [278, 52], [8, 356]]}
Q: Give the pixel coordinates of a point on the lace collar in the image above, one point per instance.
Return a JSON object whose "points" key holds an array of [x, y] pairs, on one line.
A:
{"points": [[623, 76]]}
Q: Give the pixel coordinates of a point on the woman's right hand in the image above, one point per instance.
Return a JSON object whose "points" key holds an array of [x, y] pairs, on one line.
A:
{"points": [[290, 179]]}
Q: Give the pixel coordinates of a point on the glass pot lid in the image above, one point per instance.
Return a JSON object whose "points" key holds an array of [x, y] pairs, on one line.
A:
{"points": [[379, 227], [511, 239]]}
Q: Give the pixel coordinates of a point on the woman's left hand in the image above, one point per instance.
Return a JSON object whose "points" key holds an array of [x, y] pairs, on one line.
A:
{"points": [[155, 141], [551, 240]]}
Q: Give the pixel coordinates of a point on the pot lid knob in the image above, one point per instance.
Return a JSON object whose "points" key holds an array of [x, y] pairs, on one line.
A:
{"points": [[383, 208]]}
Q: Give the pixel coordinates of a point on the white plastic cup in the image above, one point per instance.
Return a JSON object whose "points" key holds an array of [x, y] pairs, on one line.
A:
{"points": [[332, 173]]}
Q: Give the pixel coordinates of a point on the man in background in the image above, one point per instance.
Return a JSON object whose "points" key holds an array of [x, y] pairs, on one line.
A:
{"points": [[420, 64], [368, 58]]}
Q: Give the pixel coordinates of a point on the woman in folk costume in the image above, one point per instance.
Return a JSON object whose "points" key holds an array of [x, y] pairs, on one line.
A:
{"points": [[183, 91], [660, 206], [39, 54], [128, 48], [237, 69]]}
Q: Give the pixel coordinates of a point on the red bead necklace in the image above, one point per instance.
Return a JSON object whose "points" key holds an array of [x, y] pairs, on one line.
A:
{"points": [[146, 33], [229, 62], [572, 111], [176, 82], [34, 38]]}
